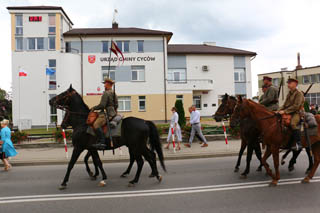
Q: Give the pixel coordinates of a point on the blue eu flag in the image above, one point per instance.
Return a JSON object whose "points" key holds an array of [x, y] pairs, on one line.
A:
{"points": [[50, 71]]}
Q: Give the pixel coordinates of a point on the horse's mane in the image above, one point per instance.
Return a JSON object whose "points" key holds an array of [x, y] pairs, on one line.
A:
{"points": [[81, 100], [260, 107], [226, 96]]}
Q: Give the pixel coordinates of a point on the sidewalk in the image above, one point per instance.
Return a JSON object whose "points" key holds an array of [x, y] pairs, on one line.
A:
{"points": [[54, 155]]}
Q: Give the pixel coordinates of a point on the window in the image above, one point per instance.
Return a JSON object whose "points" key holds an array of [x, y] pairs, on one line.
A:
{"points": [[124, 103], [52, 24], [197, 101], [123, 46], [52, 78], [177, 75], [313, 78], [179, 98], [19, 25], [313, 98], [68, 46], [142, 103], [140, 47], [275, 82], [306, 79], [53, 111], [105, 71], [105, 48], [19, 43], [137, 73], [52, 43], [318, 78], [239, 75], [35, 43]]}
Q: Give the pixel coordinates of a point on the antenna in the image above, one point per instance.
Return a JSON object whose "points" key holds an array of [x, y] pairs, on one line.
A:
{"points": [[114, 16]]}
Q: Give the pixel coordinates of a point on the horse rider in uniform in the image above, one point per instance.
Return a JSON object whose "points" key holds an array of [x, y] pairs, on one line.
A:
{"points": [[270, 97], [293, 105], [108, 103]]}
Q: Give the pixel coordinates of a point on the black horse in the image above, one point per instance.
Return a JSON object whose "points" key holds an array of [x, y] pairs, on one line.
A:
{"points": [[248, 132], [134, 134]]}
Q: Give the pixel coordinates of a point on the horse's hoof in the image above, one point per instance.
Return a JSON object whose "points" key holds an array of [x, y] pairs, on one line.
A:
{"points": [[62, 187], [283, 162], [152, 175], [243, 176], [159, 177], [306, 180], [273, 183], [91, 174], [259, 169], [291, 168], [236, 170], [102, 183], [131, 184], [124, 175], [93, 178]]}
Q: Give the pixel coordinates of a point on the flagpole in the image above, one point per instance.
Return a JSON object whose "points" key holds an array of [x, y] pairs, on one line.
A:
{"points": [[46, 93], [109, 60], [19, 100]]}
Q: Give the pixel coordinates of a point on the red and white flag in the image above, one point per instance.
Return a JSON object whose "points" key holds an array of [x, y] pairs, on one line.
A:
{"points": [[115, 49], [22, 73]]}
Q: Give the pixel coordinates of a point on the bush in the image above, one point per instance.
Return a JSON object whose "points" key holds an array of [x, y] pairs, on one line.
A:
{"points": [[306, 106], [58, 135], [181, 113], [18, 136], [162, 128]]}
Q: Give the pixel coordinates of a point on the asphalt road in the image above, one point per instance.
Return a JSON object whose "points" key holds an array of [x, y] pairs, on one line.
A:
{"points": [[197, 185]]}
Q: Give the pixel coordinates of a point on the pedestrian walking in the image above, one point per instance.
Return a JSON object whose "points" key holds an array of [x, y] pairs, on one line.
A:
{"points": [[195, 127], [7, 148], [176, 128]]}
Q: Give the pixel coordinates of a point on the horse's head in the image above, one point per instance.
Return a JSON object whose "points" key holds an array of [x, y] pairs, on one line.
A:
{"points": [[226, 107], [241, 110], [62, 101]]}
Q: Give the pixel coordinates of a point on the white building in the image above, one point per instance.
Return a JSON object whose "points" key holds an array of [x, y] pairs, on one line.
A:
{"points": [[150, 79]]}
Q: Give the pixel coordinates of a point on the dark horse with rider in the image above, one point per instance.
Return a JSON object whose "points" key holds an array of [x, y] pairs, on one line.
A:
{"points": [[97, 134]]}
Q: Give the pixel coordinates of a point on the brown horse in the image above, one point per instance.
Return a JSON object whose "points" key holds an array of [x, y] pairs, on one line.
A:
{"points": [[274, 137]]}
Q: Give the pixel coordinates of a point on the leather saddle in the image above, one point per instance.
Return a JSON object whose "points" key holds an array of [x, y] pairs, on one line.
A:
{"points": [[92, 117], [286, 120]]}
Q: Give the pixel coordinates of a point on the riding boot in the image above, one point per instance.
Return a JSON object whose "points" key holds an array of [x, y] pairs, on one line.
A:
{"points": [[296, 144], [101, 144]]}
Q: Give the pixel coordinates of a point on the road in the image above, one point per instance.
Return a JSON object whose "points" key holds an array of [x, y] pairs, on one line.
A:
{"points": [[197, 185]]}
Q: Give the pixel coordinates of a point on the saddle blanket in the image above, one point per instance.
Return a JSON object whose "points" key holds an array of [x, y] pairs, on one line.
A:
{"points": [[115, 132], [311, 131]]}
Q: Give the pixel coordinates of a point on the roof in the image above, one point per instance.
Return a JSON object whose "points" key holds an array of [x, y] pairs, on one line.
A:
{"points": [[205, 49], [283, 71], [116, 31], [40, 8]]}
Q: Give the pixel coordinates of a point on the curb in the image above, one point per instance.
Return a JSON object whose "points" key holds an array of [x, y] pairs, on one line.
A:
{"points": [[126, 159]]}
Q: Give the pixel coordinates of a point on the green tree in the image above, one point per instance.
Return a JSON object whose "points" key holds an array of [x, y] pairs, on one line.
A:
{"points": [[5, 105], [3, 94], [181, 113], [306, 106]]}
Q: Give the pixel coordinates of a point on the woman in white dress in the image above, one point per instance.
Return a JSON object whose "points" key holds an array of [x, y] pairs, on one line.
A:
{"points": [[176, 129]]}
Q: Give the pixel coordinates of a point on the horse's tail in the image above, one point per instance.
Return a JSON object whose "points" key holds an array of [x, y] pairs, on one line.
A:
{"points": [[154, 140]]}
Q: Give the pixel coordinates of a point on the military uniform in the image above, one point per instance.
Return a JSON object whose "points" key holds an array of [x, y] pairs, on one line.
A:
{"points": [[293, 104], [270, 99], [109, 102]]}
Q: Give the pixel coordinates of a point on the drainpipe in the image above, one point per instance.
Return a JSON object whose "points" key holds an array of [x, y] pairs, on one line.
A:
{"points": [[81, 64], [164, 81]]}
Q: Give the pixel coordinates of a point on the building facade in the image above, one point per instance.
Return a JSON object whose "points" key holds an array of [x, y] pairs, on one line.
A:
{"points": [[150, 78], [306, 76]]}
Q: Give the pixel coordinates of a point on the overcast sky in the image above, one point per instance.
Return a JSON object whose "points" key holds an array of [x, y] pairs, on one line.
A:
{"points": [[275, 29]]}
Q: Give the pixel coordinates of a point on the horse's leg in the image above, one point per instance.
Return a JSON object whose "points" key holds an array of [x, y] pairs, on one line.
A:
{"points": [[75, 155], [242, 148], [249, 157], [316, 155], [308, 151], [285, 156], [97, 161], [140, 162], [275, 156], [257, 151], [86, 158], [264, 161], [150, 157], [295, 154], [127, 172], [96, 168]]}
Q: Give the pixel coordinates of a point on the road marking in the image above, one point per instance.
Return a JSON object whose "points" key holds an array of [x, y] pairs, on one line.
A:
{"points": [[145, 193]]}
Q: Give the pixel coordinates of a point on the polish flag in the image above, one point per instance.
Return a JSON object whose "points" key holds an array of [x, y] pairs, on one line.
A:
{"points": [[115, 49], [22, 73]]}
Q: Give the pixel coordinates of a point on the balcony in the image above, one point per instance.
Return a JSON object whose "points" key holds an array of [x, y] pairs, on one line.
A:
{"points": [[190, 84]]}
